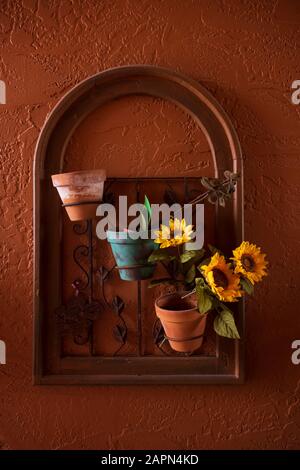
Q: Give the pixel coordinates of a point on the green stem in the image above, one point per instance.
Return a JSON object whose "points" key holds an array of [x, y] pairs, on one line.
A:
{"points": [[179, 254]]}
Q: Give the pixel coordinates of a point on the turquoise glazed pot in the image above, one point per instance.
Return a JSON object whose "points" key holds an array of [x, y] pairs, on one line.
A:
{"points": [[132, 256]]}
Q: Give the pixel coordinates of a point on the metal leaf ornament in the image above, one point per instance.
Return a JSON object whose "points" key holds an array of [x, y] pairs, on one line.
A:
{"points": [[120, 333], [77, 314], [220, 191], [118, 305]]}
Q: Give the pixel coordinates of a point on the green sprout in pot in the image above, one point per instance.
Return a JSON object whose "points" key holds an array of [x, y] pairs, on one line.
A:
{"points": [[146, 216]]}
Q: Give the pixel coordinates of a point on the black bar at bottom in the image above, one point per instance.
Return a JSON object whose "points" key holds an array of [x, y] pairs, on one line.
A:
{"points": [[137, 459]]}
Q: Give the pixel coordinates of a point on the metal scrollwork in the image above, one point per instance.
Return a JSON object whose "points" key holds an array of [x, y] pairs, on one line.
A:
{"points": [[77, 316], [117, 305]]}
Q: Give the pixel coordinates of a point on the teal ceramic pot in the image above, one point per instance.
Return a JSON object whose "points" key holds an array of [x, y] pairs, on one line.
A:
{"points": [[131, 256]]}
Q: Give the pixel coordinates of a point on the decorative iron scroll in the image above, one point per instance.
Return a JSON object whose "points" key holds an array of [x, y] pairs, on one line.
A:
{"points": [[81, 310], [117, 305], [77, 316]]}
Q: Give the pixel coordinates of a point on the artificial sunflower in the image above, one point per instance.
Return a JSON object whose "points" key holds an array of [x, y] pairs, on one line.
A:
{"points": [[250, 262], [176, 234], [221, 279]]}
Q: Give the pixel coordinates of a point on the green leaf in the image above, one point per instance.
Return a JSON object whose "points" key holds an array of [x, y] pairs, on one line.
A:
{"points": [[200, 281], [148, 207], [205, 262], [213, 249], [224, 325], [190, 275], [160, 254], [246, 285], [203, 299], [164, 280], [191, 254]]}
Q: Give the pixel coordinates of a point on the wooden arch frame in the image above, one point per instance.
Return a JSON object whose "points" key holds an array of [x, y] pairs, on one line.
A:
{"points": [[71, 110]]}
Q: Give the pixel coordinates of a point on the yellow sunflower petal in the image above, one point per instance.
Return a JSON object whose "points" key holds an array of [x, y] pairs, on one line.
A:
{"points": [[166, 244], [250, 262], [221, 279]]}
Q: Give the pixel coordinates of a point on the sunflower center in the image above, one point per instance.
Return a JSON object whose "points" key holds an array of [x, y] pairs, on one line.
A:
{"points": [[248, 263], [220, 278]]}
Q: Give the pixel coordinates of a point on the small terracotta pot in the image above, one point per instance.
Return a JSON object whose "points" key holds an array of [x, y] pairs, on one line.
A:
{"points": [[83, 190], [183, 324]]}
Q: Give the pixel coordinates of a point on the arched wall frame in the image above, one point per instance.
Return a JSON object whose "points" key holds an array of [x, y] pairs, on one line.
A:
{"points": [[72, 109]]}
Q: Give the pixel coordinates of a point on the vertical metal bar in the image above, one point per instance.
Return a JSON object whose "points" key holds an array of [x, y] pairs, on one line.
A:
{"points": [[139, 319], [186, 190], [139, 296], [91, 260], [91, 278]]}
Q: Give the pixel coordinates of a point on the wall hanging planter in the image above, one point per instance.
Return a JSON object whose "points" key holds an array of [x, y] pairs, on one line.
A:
{"points": [[183, 325], [81, 192], [98, 295], [132, 256]]}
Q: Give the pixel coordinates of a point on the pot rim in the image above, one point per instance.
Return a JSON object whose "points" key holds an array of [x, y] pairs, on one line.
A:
{"points": [[69, 176], [113, 237], [176, 294]]}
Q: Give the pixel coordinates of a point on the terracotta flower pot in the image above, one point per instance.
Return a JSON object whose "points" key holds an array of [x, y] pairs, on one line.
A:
{"points": [[81, 192], [183, 324], [132, 256]]}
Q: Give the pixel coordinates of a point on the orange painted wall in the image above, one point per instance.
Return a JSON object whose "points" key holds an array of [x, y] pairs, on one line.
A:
{"points": [[246, 53]]}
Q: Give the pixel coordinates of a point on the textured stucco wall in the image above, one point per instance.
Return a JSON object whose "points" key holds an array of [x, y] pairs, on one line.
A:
{"points": [[246, 53]]}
